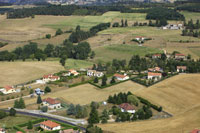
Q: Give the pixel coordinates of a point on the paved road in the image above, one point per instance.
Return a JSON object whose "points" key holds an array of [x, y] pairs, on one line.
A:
{"points": [[70, 121]]}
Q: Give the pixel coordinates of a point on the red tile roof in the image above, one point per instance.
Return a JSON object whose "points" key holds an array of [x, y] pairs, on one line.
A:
{"points": [[19, 132], [179, 55], [47, 76], [182, 67], [51, 101], [195, 131], [126, 106], [55, 77], [8, 87], [119, 75], [154, 74], [157, 55], [50, 124]]}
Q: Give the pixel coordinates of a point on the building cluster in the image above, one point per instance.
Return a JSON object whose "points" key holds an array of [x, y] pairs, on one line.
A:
{"points": [[177, 56], [173, 27]]}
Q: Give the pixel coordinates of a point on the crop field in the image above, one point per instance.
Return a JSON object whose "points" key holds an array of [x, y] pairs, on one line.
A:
{"points": [[178, 95], [19, 72]]}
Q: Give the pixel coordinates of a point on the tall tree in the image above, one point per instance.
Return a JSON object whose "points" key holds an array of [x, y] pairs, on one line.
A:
{"points": [[39, 100]]}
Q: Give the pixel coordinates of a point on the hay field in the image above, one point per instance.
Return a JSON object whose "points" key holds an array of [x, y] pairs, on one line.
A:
{"points": [[12, 73], [183, 123], [84, 94], [178, 95]]}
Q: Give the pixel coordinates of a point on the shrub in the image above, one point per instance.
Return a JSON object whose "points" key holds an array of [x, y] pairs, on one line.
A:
{"points": [[48, 36]]}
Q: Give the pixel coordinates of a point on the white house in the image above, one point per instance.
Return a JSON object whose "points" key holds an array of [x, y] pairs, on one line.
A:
{"points": [[50, 125], [126, 107], [2, 130], [8, 90], [121, 77], [155, 76], [180, 57], [51, 103], [94, 73], [38, 91], [50, 77], [140, 38], [181, 68], [155, 69], [70, 72]]}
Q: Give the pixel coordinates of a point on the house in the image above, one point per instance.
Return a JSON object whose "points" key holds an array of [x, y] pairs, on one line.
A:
{"points": [[173, 27], [181, 68], [121, 77], [126, 107], [70, 72], [195, 131], [140, 38], [155, 69], [155, 76], [156, 56], [94, 73], [50, 77], [180, 57], [50, 125], [51, 103], [2, 130], [8, 90], [38, 91], [68, 131]]}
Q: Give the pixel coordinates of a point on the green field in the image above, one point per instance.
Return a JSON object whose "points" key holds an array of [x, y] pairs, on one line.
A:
{"points": [[123, 51], [191, 15], [87, 22]]}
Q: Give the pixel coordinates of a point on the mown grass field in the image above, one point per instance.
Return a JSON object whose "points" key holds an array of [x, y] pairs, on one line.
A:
{"points": [[19, 72], [178, 95], [122, 51], [84, 94]]}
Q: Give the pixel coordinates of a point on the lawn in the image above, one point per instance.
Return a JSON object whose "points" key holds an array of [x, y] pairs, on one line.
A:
{"points": [[123, 51], [12, 121]]}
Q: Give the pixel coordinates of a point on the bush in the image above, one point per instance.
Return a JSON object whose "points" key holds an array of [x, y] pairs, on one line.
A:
{"points": [[59, 32], [47, 89], [2, 114], [44, 109], [48, 36], [12, 112]]}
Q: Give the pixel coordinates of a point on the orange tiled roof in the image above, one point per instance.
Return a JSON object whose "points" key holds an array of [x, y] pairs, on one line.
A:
{"points": [[50, 124]]}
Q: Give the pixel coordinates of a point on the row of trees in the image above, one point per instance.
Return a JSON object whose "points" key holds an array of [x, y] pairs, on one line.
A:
{"points": [[192, 25], [191, 32], [19, 104], [124, 23], [119, 98], [78, 111], [31, 51], [80, 35]]}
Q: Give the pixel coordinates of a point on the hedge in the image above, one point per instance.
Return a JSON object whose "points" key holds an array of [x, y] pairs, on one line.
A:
{"points": [[18, 129], [146, 102]]}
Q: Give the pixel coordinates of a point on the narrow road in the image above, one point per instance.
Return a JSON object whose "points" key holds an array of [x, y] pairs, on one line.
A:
{"points": [[70, 121]]}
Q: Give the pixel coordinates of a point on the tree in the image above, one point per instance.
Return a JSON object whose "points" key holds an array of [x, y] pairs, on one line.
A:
{"points": [[31, 91], [2, 114], [92, 55], [116, 24], [47, 89], [22, 103], [71, 110], [12, 112], [113, 80], [94, 117], [16, 104], [30, 125], [59, 32], [39, 100], [122, 23], [133, 100], [49, 49], [104, 116], [63, 60], [44, 109], [104, 81], [126, 23], [96, 80], [92, 129], [48, 36]]}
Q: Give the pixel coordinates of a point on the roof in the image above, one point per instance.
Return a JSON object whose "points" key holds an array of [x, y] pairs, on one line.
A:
{"points": [[154, 74], [47, 76], [182, 67], [179, 55], [119, 75], [19, 132], [72, 70], [55, 77], [2, 129], [50, 124], [126, 106], [195, 131], [51, 101], [8, 88]]}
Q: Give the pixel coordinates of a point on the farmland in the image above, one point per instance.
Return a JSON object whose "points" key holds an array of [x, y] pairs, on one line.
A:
{"points": [[171, 94], [20, 72]]}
